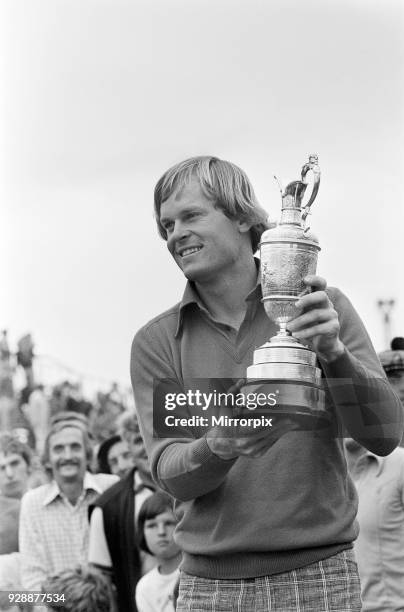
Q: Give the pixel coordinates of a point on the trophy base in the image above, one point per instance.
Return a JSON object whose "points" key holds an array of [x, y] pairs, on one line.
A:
{"points": [[295, 397], [303, 403], [287, 369]]}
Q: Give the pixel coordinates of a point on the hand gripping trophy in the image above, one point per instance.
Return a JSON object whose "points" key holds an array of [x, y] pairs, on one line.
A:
{"points": [[288, 254]]}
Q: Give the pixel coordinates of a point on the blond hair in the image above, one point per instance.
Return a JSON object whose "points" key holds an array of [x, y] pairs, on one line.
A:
{"points": [[225, 183]]}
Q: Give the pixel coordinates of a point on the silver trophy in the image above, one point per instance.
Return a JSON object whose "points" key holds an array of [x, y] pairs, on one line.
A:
{"points": [[288, 254]]}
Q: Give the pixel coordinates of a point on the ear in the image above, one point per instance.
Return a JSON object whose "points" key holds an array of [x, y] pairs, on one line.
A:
{"points": [[243, 226]]}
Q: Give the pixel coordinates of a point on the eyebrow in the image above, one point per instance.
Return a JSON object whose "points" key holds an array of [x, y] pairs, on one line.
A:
{"points": [[187, 208]]}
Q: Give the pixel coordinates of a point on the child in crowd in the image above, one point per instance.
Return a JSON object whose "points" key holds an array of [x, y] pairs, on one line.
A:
{"points": [[83, 589], [156, 524]]}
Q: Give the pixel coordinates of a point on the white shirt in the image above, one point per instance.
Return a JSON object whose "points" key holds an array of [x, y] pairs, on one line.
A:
{"points": [[379, 548], [53, 534], [154, 591]]}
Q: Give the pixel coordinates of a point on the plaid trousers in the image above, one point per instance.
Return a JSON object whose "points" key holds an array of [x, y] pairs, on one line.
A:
{"points": [[331, 585]]}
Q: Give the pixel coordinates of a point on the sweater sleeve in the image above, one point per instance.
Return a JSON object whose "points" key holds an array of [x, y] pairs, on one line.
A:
{"points": [[183, 466], [369, 408]]}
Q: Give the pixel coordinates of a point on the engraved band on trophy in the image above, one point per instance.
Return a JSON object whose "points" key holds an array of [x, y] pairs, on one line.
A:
{"points": [[288, 254]]}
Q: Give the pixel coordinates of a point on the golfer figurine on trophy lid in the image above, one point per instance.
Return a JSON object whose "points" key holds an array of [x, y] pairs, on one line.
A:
{"points": [[288, 254]]}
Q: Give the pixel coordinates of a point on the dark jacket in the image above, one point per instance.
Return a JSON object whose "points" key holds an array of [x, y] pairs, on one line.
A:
{"points": [[118, 509]]}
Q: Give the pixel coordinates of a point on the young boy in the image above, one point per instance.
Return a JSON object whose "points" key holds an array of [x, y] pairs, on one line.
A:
{"points": [[156, 524]]}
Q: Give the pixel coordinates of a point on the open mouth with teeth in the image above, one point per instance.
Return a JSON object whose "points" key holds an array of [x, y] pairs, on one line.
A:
{"points": [[189, 251]]}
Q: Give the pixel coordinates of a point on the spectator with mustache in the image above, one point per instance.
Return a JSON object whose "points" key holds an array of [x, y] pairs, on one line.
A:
{"points": [[54, 530]]}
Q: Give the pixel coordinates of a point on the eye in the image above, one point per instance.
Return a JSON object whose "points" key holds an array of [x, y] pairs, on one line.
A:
{"points": [[191, 215], [168, 226], [150, 525]]}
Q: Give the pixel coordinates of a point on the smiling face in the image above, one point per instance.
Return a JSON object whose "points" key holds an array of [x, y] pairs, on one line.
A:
{"points": [[14, 473], [158, 533], [67, 455], [203, 241]]}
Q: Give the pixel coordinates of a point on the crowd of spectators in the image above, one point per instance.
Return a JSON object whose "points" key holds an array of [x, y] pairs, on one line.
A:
{"points": [[73, 477]]}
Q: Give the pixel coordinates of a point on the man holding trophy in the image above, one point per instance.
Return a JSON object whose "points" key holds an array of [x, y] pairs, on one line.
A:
{"points": [[266, 514]]}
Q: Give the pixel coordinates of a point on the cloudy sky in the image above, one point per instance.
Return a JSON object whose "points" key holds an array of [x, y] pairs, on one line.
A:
{"points": [[99, 97]]}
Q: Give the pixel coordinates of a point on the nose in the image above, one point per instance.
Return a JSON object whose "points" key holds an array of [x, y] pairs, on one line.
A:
{"points": [[161, 529], [122, 465], [9, 472], [178, 233], [67, 453]]}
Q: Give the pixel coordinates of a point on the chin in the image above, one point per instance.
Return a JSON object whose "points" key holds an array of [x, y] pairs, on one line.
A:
{"points": [[191, 276], [197, 275]]}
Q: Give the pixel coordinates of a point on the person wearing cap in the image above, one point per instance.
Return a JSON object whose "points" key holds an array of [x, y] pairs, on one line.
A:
{"points": [[114, 457], [380, 485], [393, 364], [54, 530]]}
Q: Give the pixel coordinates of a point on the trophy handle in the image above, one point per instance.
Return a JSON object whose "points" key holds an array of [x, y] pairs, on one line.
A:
{"points": [[312, 165]]}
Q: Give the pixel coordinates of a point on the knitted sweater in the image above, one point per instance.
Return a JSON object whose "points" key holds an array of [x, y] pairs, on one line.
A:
{"points": [[296, 505]]}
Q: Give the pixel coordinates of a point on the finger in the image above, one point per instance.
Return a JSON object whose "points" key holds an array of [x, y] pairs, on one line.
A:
{"points": [[252, 435], [330, 328], [317, 283], [249, 436], [235, 388], [312, 300], [239, 435], [318, 315]]}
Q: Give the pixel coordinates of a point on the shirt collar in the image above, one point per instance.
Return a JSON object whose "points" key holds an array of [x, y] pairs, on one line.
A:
{"points": [[191, 296], [89, 484]]}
